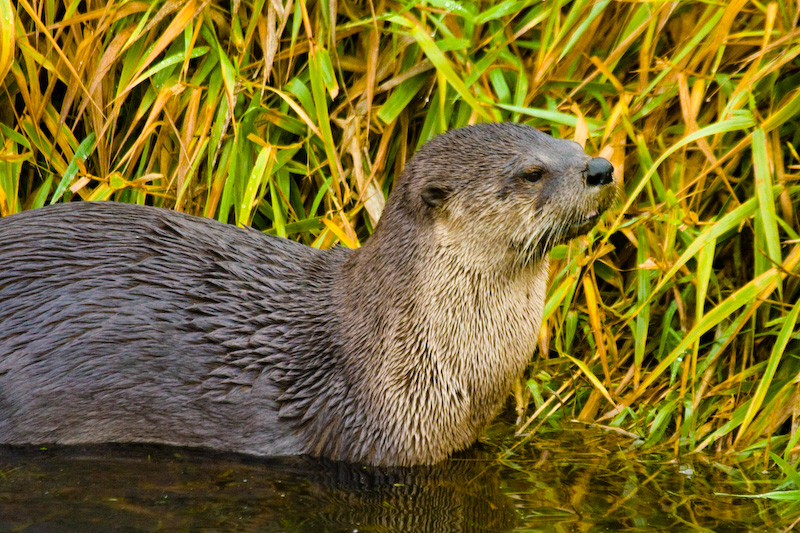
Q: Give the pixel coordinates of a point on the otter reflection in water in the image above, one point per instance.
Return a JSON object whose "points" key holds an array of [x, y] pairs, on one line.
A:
{"points": [[152, 488], [123, 323]]}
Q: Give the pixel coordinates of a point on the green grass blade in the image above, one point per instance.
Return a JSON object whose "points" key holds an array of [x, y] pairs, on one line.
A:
{"points": [[84, 150], [440, 61], [767, 226], [784, 336]]}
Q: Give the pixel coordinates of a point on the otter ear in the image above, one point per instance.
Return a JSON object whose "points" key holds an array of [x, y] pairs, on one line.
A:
{"points": [[434, 194]]}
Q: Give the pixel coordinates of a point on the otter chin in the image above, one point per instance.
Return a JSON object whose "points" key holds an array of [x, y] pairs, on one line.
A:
{"points": [[123, 323]]}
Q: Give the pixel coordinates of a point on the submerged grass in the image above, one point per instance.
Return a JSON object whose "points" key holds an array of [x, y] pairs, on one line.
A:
{"points": [[676, 319]]}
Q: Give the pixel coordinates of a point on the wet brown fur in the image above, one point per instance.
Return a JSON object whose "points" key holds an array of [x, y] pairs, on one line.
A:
{"points": [[124, 323]]}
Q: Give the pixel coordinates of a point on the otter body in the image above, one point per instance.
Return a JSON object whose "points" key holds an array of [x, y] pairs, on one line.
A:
{"points": [[123, 323]]}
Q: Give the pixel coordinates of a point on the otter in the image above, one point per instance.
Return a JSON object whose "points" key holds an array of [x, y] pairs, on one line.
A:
{"points": [[123, 323]]}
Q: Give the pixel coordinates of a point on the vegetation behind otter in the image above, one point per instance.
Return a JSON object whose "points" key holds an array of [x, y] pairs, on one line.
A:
{"points": [[675, 320]]}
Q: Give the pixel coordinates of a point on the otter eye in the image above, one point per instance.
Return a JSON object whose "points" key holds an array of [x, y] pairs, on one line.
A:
{"points": [[532, 176]]}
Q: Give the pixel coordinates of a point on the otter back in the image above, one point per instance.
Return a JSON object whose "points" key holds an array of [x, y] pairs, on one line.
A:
{"points": [[121, 323]]}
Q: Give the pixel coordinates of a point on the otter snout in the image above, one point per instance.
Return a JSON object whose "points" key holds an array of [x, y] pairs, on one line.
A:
{"points": [[599, 172]]}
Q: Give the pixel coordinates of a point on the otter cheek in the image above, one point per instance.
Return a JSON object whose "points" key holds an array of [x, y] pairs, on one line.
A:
{"points": [[544, 197]]}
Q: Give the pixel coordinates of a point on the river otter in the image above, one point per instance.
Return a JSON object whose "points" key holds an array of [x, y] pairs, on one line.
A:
{"points": [[122, 323]]}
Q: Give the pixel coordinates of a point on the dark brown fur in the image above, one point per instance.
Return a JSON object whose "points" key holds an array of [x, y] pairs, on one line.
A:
{"points": [[123, 323]]}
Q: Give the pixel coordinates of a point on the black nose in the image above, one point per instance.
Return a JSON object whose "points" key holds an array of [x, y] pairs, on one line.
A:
{"points": [[600, 172]]}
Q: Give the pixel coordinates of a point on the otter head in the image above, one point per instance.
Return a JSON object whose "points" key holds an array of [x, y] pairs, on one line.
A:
{"points": [[503, 192]]}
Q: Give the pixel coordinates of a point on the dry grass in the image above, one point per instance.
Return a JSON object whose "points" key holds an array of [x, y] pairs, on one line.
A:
{"points": [[676, 319]]}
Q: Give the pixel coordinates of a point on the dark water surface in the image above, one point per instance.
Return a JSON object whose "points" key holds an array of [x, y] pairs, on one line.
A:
{"points": [[577, 480]]}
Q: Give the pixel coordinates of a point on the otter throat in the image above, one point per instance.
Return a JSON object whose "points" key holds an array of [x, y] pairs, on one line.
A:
{"points": [[442, 365]]}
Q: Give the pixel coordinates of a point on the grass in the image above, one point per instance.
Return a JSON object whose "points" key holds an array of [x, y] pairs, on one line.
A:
{"points": [[676, 319]]}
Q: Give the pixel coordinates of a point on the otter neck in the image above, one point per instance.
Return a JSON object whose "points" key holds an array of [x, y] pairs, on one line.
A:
{"points": [[447, 336]]}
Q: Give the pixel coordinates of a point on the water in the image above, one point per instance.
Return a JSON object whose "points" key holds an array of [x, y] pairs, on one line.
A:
{"points": [[573, 480]]}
